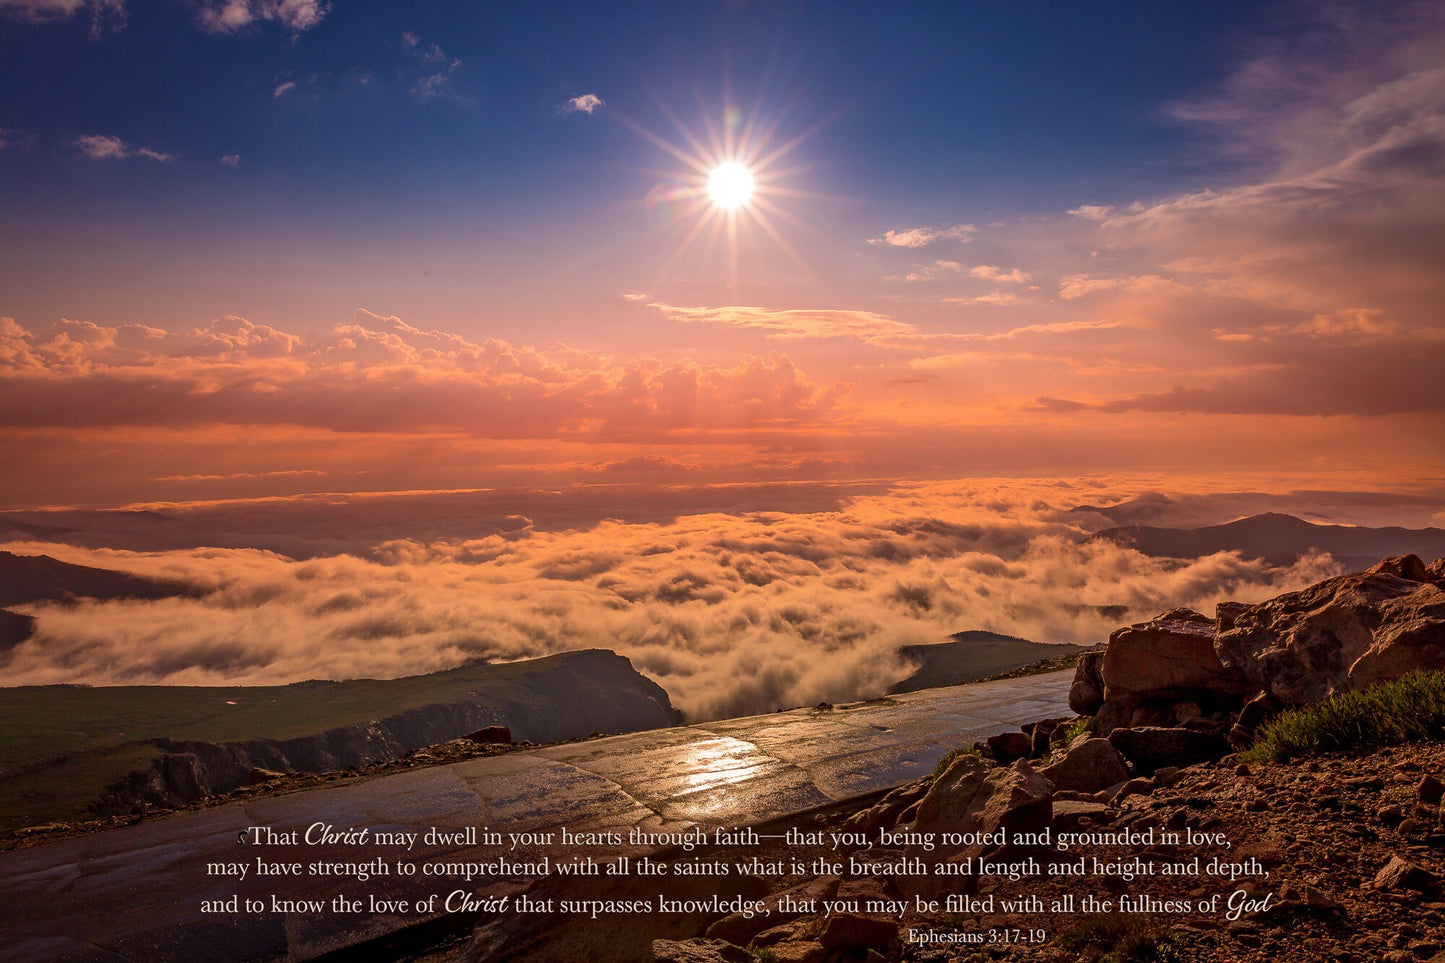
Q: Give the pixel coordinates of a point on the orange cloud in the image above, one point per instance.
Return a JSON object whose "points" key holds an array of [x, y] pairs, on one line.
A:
{"points": [[377, 375], [796, 324]]}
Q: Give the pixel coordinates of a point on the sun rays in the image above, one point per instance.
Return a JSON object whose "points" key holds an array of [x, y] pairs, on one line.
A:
{"points": [[729, 190]]}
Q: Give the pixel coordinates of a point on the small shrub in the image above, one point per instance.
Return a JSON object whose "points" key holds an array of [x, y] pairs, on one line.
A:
{"points": [[1077, 729], [1408, 709], [947, 760], [1121, 939]]}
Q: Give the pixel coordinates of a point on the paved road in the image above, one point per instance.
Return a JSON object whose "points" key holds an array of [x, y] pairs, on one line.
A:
{"points": [[137, 893]]}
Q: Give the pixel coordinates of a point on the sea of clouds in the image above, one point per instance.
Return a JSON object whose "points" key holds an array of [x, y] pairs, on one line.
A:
{"points": [[732, 612]]}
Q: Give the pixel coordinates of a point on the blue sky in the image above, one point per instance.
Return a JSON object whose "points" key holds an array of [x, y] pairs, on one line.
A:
{"points": [[444, 124]]}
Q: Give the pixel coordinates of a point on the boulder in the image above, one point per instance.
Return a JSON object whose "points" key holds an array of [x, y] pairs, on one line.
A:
{"points": [[1089, 767], [1008, 746], [1152, 747], [1170, 655], [1401, 566], [971, 797], [1086, 694], [699, 950], [1041, 733], [1256, 713], [1400, 873], [1149, 666], [1341, 634], [491, 735], [887, 812], [803, 931]]}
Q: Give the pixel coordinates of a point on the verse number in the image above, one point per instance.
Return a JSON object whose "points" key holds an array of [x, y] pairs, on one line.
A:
{"points": [[1016, 936]]}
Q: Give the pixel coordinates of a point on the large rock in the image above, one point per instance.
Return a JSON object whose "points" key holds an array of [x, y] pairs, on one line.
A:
{"points": [[1151, 665], [1008, 746], [1341, 634], [1086, 694], [1091, 766], [1152, 747], [971, 797]]}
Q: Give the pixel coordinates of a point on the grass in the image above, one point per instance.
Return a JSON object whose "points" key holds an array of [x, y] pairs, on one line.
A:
{"points": [[44, 721], [947, 760], [1408, 709], [1121, 939]]}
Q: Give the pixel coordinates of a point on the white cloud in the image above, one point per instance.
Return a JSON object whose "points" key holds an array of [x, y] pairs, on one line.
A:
{"points": [[929, 272], [229, 16], [1092, 212], [284, 88], [924, 236], [230, 160], [583, 104], [987, 273], [104, 147]]}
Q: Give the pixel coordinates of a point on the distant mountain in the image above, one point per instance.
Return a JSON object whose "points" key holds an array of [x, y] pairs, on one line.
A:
{"points": [[1281, 539], [9, 527], [40, 578], [14, 629], [971, 656]]}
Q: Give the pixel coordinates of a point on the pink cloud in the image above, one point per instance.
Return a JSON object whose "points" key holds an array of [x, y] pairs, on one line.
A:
{"points": [[381, 374]]}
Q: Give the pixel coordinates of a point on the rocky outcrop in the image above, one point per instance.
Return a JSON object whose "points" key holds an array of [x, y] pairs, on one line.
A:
{"points": [[1342, 634], [972, 797], [1149, 667], [1218, 680]]}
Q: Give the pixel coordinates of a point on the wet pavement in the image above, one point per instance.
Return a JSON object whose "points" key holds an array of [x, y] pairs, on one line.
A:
{"points": [[162, 890]]}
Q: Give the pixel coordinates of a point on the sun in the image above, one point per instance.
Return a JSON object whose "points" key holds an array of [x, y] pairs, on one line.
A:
{"points": [[730, 185], [730, 189]]}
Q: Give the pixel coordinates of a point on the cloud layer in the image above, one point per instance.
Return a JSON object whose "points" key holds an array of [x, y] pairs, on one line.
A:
{"points": [[732, 613]]}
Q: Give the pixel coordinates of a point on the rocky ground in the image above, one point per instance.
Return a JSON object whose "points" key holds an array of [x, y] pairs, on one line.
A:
{"points": [[1353, 845]]}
